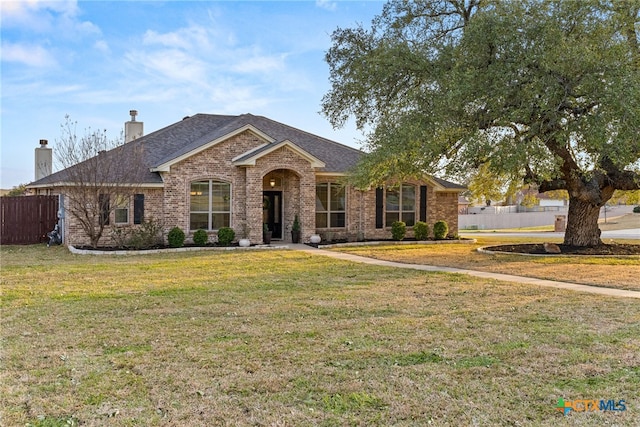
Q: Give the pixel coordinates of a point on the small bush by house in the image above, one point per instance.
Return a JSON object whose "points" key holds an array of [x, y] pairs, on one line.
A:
{"points": [[200, 237], [398, 230], [421, 230], [440, 230], [226, 236], [176, 237]]}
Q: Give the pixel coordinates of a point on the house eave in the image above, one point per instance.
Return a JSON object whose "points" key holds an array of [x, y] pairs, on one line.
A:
{"points": [[324, 173], [59, 184], [441, 189], [236, 159], [243, 160], [166, 167]]}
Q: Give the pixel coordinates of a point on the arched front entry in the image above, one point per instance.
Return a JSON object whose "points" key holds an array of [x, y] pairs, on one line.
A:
{"points": [[280, 202], [272, 212]]}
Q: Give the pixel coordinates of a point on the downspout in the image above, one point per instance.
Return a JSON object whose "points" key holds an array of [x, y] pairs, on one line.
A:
{"points": [[61, 217]]}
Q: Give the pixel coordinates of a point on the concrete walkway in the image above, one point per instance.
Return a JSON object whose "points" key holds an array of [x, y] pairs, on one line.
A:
{"points": [[633, 233], [481, 274]]}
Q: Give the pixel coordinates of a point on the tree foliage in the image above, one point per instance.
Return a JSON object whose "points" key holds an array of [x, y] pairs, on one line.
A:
{"points": [[486, 186], [626, 197], [548, 91], [18, 190], [530, 200]]}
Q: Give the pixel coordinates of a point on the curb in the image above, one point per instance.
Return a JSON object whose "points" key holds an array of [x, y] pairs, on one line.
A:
{"points": [[76, 251], [484, 250], [402, 242]]}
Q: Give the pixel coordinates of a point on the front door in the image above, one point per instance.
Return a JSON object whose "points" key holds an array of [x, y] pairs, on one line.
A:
{"points": [[272, 212]]}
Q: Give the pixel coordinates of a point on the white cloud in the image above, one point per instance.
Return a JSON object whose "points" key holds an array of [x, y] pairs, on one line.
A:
{"points": [[200, 55], [258, 64], [326, 4], [31, 55], [59, 18], [67, 7], [102, 46], [193, 37], [85, 27], [172, 64]]}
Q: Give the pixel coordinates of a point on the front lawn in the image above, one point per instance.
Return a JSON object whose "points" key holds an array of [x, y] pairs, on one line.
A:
{"points": [[612, 272], [288, 338]]}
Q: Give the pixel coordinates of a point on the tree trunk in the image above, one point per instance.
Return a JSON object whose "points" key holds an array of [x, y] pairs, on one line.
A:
{"points": [[582, 223]]}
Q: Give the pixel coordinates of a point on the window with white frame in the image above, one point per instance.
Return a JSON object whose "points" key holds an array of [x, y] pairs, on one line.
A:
{"points": [[121, 211], [330, 205], [210, 205], [401, 205]]}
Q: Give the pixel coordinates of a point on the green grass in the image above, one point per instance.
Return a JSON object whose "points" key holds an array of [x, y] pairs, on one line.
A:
{"points": [[613, 272], [287, 338], [510, 230]]}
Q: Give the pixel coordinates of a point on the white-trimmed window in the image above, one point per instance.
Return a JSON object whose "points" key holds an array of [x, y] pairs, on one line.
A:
{"points": [[401, 205], [210, 205], [330, 205], [121, 211]]}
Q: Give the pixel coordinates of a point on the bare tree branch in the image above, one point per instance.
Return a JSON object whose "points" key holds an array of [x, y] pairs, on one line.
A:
{"points": [[98, 173]]}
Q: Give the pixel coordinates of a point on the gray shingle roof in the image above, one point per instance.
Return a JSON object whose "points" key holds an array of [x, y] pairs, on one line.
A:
{"points": [[179, 139], [447, 184], [193, 132]]}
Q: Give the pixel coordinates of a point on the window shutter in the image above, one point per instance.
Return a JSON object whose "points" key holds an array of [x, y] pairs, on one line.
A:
{"points": [[423, 203], [103, 202], [138, 208], [379, 207]]}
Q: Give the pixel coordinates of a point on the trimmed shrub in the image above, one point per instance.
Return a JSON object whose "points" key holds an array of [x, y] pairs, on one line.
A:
{"points": [[398, 230], [176, 237], [421, 230], [226, 236], [440, 230], [200, 237], [636, 209]]}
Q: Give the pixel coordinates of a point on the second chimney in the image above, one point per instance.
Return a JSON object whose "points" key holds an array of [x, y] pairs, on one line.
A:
{"points": [[133, 129], [44, 160]]}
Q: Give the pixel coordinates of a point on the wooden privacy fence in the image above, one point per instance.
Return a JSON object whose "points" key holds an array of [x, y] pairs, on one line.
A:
{"points": [[27, 219]]}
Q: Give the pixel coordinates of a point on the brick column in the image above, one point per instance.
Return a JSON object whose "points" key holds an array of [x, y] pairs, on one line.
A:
{"points": [[254, 203], [308, 205]]}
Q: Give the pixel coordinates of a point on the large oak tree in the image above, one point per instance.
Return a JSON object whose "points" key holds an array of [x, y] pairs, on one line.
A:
{"points": [[545, 90]]}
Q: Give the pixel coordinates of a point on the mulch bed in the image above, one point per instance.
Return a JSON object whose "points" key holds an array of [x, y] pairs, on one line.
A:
{"points": [[538, 249], [113, 249]]}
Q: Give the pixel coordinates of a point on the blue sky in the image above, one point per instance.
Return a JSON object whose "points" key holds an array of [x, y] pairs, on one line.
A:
{"points": [[96, 60]]}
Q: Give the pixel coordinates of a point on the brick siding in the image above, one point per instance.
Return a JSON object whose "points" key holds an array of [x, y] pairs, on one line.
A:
{"points": [[296, 179]]}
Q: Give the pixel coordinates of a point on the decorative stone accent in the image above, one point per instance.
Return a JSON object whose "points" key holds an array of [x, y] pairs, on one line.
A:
{"points": [[552, 248]]}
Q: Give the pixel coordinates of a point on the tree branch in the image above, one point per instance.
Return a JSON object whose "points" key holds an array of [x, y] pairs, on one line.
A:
{"points": [[556, 184], [619, 179]]}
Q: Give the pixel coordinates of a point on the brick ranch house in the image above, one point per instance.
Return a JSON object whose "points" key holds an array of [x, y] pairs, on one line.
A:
{"points": [[209, 171]]}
